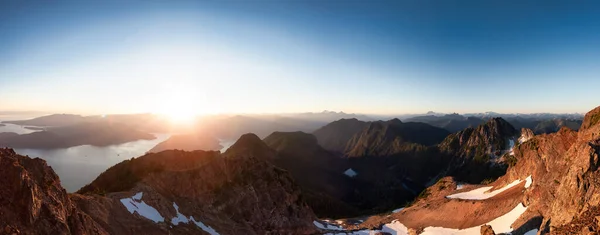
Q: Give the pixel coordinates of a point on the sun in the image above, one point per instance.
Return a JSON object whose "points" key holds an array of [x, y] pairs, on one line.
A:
{"points": [[180, 105]]}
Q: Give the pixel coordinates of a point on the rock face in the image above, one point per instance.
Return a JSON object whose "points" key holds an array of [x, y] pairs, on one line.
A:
{"points": [[33, 202], [171, 192], [335, 136], [391, 137], [479, 153]]}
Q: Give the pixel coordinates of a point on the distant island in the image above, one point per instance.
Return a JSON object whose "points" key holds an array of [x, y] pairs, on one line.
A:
{"points": [[188, 142], [94, 133], [35, 128]]}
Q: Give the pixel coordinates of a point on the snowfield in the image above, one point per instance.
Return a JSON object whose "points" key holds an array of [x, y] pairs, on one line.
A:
{"points": [[483, 192], [135, 204], [180, 218], [501, 224]]}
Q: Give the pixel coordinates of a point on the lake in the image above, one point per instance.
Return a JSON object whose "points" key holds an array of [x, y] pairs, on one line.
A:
{"points": [[80, 165]]}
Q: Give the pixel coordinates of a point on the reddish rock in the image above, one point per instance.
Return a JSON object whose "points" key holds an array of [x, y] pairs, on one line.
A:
{"points": [[487, 230]]}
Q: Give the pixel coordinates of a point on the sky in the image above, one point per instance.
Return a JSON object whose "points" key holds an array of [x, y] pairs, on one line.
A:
{"points": [[378, 57]]}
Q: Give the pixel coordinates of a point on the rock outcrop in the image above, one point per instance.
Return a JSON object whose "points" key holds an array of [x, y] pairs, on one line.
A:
{"points": [[32, 200], [480, 153], [487, 230]]}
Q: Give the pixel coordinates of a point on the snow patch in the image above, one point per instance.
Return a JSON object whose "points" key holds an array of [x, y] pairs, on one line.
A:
{"points": [[135, 204], [531, 232], [327, 226], [528, 182], [395, 227], [398, 210], [459, 186], [207, 229], [483, 192], [180, 218], [511, 146], [523, 139], [501, 224], [350, 172]]}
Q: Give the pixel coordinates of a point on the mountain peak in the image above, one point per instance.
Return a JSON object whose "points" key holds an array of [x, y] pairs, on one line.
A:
{"points": [[591, 119], [395, 121], [249, 143], [279, 140]]}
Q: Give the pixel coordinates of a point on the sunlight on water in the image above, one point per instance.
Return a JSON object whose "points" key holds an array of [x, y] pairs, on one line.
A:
{"points": [[78, 166]]}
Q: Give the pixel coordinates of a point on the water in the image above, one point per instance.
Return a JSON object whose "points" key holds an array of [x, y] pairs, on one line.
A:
{"points": [[15, 128], [80, 165], [226, 144]]}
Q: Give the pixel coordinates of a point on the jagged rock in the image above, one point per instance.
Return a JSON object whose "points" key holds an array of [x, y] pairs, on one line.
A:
{"points": [[478, 153], [32, 201], [487, 230]]}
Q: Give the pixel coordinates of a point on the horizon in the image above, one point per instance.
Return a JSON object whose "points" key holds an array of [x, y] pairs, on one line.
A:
{"points": [[35, 114], [188, 59]]}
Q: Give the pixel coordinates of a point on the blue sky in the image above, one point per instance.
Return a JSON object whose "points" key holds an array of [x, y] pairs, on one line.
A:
{"points": [[383, 57]]}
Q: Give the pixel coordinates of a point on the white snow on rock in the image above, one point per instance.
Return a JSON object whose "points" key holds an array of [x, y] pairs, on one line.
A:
{"points": [[180, 218], [528, 182], [459, 186], [395, 228], [523, 139], [501, 224], [511, 146], [207, 229], [398, 210], [135, 204], [531, 232], [350, 172], [483, 192], [327, 226]]}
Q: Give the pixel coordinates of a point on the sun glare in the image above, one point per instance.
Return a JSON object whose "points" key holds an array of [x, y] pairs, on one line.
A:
{"points": [[180, 105]]}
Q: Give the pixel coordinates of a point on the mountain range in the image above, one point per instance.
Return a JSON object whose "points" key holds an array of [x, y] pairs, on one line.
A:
{"points": [[290, 182]]}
